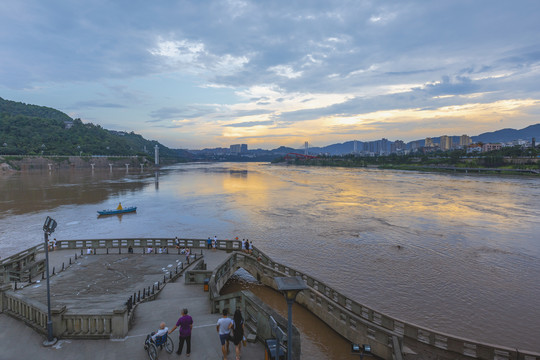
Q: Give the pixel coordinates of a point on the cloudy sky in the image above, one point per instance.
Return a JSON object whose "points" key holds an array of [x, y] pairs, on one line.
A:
{"points": [[196, 74]]}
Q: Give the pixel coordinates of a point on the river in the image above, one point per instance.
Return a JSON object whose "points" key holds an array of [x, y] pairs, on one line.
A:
{"points": [[455, 253]]}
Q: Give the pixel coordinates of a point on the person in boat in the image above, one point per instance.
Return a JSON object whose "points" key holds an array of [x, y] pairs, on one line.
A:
{"points": [[119, 206]]}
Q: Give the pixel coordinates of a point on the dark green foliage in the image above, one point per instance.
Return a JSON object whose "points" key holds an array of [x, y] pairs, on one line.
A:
{"points": [[35, 130], [454, 159], [43, 112]]}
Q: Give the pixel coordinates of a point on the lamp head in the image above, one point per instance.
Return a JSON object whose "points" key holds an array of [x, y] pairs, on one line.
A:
{"points": [[290, 286], [50, 225], [361, 349]]}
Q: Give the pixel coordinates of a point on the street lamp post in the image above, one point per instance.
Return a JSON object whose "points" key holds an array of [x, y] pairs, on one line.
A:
{"points": [[48, 228], [290, 287]]}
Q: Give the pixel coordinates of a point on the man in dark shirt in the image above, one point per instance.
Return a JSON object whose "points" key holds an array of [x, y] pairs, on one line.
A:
{"points": [[186, 324]]}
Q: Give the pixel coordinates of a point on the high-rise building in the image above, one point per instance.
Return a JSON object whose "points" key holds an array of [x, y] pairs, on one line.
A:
{"points": [[397, 146], [306, 147], [465, 140], [235, 149], [383, 149], [446, 142], [429, 142]]}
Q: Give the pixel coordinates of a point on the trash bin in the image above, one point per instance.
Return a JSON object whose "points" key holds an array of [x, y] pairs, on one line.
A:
{"points": [[206, 281], [270, 350]]}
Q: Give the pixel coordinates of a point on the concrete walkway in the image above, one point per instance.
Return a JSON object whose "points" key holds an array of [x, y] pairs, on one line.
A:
{"points": [[18, 341]]}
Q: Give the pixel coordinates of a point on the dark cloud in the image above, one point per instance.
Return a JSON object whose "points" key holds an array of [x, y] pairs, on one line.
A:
{"points": [[95, 104]]}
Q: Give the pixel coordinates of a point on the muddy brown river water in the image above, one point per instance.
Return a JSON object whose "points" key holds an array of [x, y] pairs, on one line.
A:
{"points": [[455, 253]]}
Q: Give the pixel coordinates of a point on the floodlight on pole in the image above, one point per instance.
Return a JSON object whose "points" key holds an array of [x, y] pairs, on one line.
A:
{"points": [[290, 287], [48, 228]]}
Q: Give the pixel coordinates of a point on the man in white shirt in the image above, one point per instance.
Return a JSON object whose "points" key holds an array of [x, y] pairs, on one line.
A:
{"points": [[224, 331]]}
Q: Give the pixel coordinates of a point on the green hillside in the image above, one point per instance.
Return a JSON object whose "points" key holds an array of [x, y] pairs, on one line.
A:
{"points": [[35, 130]]}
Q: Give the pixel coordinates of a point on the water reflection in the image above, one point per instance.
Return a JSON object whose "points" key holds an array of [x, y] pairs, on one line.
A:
{"points": [[455, 253], [26, 192]]}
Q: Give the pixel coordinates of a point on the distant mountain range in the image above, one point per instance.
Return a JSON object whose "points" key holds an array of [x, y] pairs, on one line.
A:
{"points": [[503, 135], [506, 135]]}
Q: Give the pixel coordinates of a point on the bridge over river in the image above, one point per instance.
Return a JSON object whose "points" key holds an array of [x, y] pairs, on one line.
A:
{"points": [[106, 298]]}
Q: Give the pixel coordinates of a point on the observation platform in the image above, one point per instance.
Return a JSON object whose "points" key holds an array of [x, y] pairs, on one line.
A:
{"points": [[99, 283], [92, 318]]}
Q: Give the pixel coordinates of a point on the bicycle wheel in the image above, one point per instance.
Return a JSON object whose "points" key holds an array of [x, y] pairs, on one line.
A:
{"points": [[152, 351], [169, 345]]}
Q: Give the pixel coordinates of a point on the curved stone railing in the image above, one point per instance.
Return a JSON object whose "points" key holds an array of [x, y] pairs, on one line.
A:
{"points": [[361, 324], [101, 246]]}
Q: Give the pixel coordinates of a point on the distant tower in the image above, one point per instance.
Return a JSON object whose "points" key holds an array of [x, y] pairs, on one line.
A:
{"points": [[355, 147], [156, 155], [306, 147], [445, 142], [465, 140]]}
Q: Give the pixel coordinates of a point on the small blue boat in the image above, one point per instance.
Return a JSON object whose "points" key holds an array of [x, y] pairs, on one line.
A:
{"points": [[118, 211]]}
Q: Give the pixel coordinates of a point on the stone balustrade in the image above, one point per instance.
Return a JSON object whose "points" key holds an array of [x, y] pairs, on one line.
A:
{"points": [[33, 313], [361, 324], [356, 322], [256, 317], [104, 325]]}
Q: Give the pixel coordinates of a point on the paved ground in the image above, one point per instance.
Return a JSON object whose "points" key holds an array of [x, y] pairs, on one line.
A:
{"points": [[18, 341]]}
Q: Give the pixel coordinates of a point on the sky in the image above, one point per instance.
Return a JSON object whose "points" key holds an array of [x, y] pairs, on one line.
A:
{"points": [[204, 74]]}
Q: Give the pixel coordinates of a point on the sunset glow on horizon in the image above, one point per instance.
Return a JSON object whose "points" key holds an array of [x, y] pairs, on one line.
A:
{"points": [[196, 75]]}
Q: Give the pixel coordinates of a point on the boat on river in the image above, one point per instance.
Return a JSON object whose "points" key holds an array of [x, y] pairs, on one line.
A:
{"points": [[118, 211]]}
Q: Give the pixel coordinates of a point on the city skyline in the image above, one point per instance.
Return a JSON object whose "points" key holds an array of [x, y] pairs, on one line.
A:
{"points": [[202, 75]]}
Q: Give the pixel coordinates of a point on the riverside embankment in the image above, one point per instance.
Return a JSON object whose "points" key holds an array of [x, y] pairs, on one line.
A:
{"points": [[56, 162], [388, 337]]}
